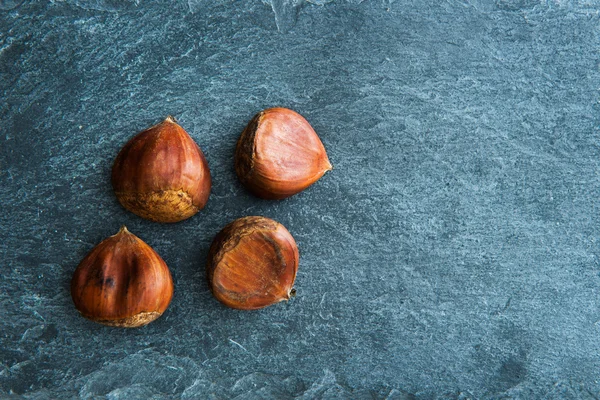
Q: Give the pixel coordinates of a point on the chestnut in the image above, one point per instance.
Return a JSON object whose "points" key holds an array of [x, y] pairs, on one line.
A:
{"points": [[252, 263], [279, 154], [161, 174], [122, 282]]}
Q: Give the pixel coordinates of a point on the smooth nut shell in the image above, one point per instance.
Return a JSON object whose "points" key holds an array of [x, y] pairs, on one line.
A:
{"points": [[279, 154], [122, 282], [252, 263], [161, 174]]}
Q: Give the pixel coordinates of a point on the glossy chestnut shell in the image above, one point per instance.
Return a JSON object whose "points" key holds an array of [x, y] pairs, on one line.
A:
{"points": [[161, 174], [279, 154], [122, 282], [252, 263]]}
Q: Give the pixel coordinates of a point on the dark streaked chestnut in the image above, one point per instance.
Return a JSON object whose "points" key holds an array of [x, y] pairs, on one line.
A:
{"points": [[122, 282]]}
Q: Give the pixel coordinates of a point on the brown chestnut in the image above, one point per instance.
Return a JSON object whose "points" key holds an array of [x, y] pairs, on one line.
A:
{"points": [[279, 154], [161, 174], [252, 263], [122, 282]]}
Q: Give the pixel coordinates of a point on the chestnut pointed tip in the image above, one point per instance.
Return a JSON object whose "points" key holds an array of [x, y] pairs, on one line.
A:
{"points": [[123, 229], [292, 293], [289, 295], [170, 119]]}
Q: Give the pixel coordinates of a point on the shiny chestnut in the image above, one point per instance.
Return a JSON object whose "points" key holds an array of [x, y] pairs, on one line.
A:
{"points": [[279, 154], [122, 282], [252, 263], [161, 174]]}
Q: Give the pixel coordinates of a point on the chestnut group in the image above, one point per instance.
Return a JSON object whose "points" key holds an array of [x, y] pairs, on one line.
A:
{"points": [[161, 174]]}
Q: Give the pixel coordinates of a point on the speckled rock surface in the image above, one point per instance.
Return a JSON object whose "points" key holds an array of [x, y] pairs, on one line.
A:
{"points": [[453, 252]]}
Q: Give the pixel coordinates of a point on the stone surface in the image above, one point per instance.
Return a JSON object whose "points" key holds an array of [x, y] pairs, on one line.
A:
{"points": [[453, 252]]}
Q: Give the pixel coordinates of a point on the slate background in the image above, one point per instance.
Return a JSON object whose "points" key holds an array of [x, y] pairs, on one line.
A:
{"points": [[451, 253]]}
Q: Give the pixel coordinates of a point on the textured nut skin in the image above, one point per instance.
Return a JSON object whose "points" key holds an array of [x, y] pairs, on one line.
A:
{"points": [[279, 154], [161, 174], [252, 263], [122, 282]]}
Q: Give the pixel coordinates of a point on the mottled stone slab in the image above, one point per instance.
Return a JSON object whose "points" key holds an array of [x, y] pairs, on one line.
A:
{"points": [[453, 252]]}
